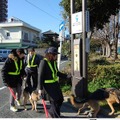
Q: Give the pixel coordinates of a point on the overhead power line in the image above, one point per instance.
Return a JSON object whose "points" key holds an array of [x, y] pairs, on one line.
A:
{"points": [[42, 10], [49, 5]]}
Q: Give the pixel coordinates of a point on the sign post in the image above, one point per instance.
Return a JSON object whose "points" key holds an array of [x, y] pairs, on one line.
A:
{"points": [[61, 38], [79, 25]]}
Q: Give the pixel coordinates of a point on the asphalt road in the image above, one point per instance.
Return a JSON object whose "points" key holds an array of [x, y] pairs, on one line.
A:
{"points": [[5, 112], [5, 105]]}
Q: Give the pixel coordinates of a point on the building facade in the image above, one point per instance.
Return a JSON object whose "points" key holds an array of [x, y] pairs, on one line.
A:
{"points": [[16, 33], [3, 10]]}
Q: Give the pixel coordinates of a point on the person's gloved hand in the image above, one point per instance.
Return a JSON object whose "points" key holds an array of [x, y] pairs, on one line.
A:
{"points": [[24, 78], [69, 76], [41, 92], [6, 84]]}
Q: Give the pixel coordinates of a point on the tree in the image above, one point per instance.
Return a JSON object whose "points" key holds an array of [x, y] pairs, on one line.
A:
{"points": [[100, 10], [109, 37]]}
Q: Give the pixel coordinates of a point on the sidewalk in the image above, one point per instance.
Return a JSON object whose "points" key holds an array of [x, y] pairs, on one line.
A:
{"points": [[68, 111]]}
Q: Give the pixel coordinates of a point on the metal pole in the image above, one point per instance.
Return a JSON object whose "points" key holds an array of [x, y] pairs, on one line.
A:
{"points": [[59, 55], [84, 46], [72, 38]]}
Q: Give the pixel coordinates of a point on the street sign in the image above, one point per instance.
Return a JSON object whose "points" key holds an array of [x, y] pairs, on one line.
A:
{"points": [[77, 22], [61, 38], [61, 26]]}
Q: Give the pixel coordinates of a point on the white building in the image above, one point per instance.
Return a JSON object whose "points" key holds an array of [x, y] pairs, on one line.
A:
{"points": [[16, 33]]}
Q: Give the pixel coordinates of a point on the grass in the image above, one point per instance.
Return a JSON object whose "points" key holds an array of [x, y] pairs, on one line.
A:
{"points": [[67, 89]]}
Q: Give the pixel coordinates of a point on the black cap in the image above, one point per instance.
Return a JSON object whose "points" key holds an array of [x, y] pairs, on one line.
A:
{"points": [[52, 50], [31, 49], [21, 50]]}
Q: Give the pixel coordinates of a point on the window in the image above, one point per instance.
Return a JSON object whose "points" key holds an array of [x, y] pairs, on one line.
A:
{"points": [[8, 34], [9, 51], [25, 36], [4, 51]]}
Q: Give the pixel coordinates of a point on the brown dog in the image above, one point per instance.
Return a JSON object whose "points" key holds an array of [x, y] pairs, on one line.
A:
{"points": [[108, 94], [33, 98]]}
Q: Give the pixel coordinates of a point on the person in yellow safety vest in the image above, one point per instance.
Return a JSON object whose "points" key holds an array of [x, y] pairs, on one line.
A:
{"points": [[49, 81], [12, 73], [33, 61]]}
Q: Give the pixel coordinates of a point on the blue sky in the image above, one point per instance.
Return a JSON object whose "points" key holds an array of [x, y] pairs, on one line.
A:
{"points": [[46, 15]]}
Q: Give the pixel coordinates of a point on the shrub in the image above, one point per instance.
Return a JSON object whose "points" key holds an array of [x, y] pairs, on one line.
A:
{"points": [[105, 76]]}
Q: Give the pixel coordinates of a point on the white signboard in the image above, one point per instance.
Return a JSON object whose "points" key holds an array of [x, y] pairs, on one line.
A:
{"points": [[77, 22]]}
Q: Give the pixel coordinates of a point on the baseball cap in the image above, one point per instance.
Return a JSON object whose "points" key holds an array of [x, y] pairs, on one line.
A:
{"points": [[52, 50], [21, 50], [31, 49]]}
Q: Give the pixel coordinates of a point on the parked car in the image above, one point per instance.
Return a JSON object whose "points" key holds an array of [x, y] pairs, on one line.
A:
{"points": [[4, 53], [1, 59]]}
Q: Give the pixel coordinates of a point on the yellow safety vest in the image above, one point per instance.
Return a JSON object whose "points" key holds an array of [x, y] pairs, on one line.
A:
{"points": [[33, 58], [17, 72], [54, 73]]}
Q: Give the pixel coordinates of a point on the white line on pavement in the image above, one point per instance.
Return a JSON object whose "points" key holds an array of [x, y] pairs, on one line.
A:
{"points": [[62, 62], [2, 88]]}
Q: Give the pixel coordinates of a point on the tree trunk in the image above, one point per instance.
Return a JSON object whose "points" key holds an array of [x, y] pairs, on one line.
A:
{"points": [[106, 49]]}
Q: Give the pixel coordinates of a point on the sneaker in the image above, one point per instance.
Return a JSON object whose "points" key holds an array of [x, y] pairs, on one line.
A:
{"points": [[18, 103], [13, 108]]}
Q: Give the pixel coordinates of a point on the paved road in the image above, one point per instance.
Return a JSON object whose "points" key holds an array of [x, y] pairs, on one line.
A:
{"points": [[66, 110], [6, 113]]}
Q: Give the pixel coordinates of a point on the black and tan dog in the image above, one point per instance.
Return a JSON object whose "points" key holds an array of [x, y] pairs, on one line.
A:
{"points": [[108, 94], [33, 98]]}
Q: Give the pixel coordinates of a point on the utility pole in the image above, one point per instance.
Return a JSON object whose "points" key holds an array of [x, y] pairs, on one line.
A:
{"points": [[72, 4], [84, 33], [78, 51]]}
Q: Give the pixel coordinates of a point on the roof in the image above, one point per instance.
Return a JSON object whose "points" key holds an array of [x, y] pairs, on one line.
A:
{"points": [[12, 22], [50, 32]]}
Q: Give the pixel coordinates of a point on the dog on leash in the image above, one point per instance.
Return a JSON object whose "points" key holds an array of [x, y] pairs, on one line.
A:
{"points": [[33, 98], [108, 94]]}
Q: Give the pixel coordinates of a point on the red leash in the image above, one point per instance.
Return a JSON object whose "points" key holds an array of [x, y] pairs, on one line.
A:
{"points": [[45, 109], [11, 91]]}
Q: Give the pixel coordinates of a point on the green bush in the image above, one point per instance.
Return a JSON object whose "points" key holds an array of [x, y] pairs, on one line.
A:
{"points": [[66, 88], [66, 49], [105, 76], [101, 74]]}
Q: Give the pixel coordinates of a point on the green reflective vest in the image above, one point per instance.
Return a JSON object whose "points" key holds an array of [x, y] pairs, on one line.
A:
{"points": [[28, 59], [17, 72], [54, 73]]}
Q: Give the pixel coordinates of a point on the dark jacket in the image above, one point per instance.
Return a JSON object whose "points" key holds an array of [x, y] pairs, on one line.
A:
{"points": [[9, 66], [53, 89], [36, 62]]}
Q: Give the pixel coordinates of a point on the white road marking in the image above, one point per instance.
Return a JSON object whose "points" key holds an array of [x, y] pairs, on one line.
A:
{"points": [[62, 62], [3, 88]]}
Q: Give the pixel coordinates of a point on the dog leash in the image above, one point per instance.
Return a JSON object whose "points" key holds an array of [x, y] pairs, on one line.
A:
{"points": [[44, 105], [12, 92]]}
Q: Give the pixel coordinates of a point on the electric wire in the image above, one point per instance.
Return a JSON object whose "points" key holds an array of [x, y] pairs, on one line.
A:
{"points": [[42, 10], [49, 5]]}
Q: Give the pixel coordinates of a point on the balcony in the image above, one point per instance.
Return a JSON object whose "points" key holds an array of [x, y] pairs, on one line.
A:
{"points": [[8, 40]]}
